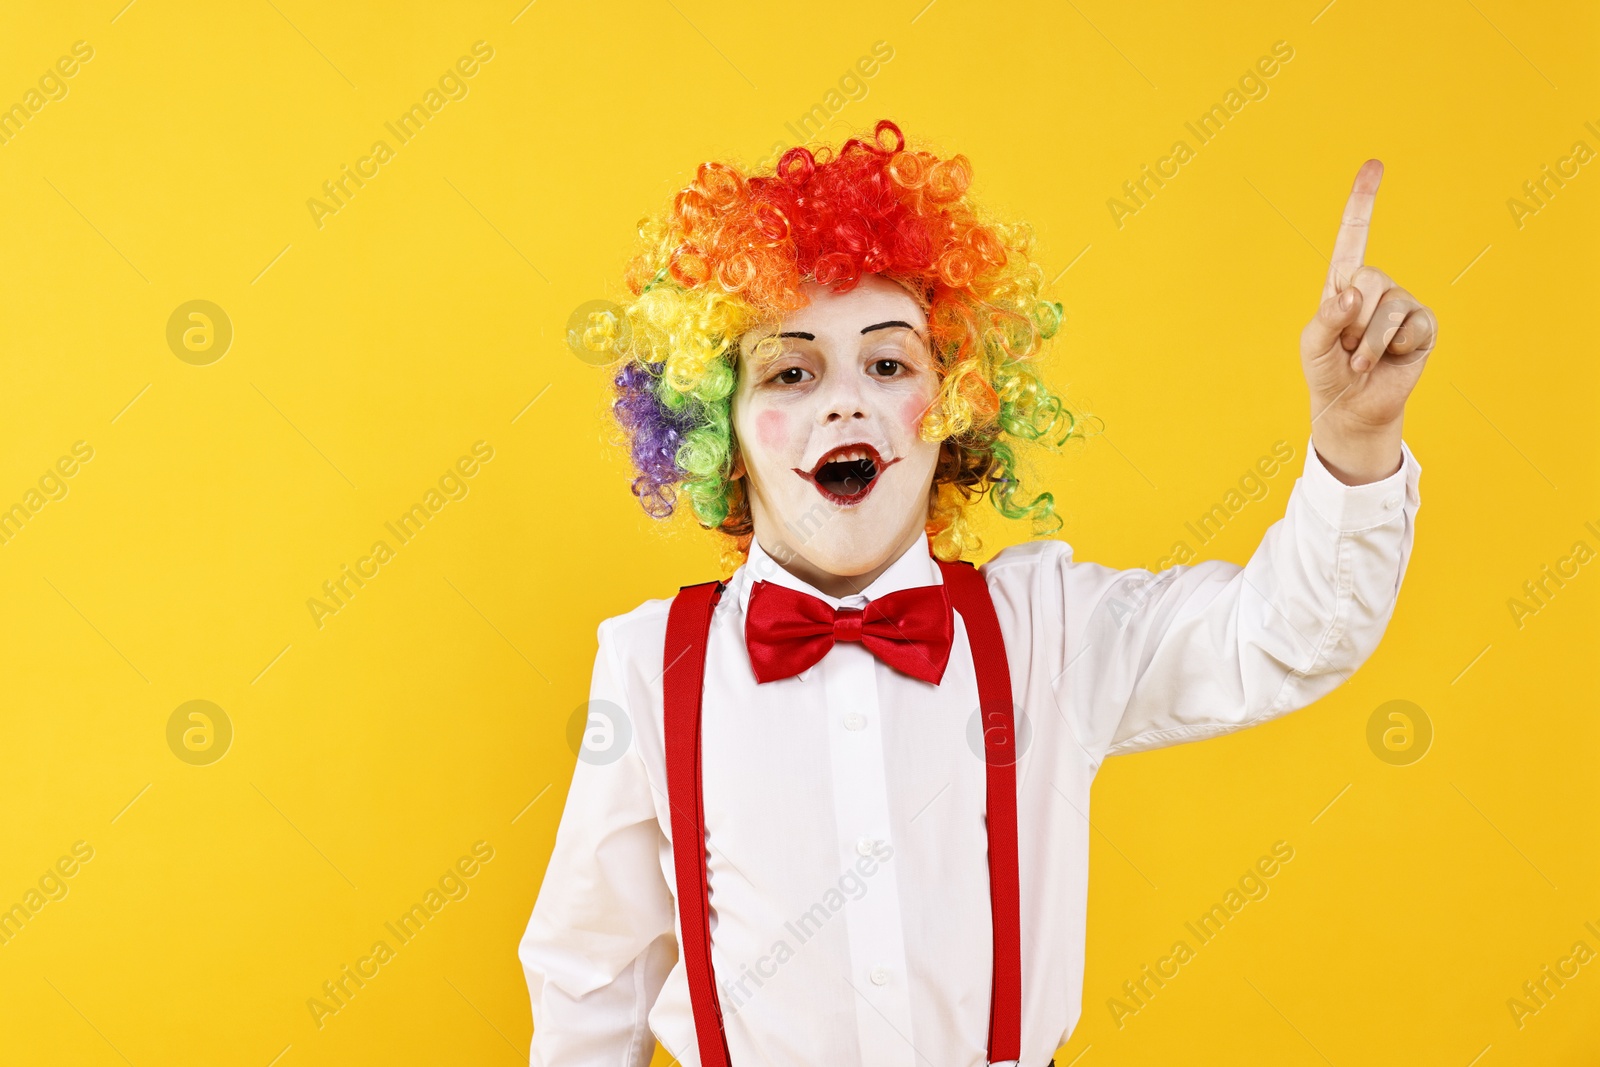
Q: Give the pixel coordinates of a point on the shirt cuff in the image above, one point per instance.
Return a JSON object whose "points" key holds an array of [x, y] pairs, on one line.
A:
{"points": [[1348, 508]]}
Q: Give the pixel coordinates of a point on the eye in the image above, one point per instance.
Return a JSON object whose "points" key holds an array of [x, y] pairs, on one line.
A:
{"points": [[887, 367], [789, 376]]}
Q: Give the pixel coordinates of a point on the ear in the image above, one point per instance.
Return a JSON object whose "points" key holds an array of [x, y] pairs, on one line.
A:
{"points": [[737, 471]]}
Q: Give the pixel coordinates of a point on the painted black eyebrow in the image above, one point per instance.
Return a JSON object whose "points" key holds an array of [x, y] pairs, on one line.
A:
{"points": [[865, 330]]}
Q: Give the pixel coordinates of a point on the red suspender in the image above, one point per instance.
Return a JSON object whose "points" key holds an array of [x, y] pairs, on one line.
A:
{"points": [[683, 682], [969, 595]]}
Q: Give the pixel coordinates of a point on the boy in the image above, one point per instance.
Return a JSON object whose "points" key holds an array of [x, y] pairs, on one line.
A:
{"points": [[878, 757]]}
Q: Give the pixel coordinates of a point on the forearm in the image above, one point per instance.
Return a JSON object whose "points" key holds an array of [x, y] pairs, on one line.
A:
{"points": [[584, 1010], [1211, 647]]}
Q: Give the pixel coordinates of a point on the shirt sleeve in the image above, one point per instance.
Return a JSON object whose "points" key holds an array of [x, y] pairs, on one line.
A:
{"points": [[601, 939], [1196, 650]]}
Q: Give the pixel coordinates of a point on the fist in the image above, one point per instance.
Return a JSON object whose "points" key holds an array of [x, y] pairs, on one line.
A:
{"points": [[1365, 348]]}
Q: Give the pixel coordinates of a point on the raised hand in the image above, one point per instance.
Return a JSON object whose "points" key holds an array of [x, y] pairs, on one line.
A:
{"points": [[1364, 350]]}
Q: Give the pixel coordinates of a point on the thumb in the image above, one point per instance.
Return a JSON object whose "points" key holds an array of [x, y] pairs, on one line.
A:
{"points": [[1337, 312]]}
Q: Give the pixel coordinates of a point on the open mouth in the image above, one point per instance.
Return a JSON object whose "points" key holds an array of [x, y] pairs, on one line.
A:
{"points": [[845, 475]]}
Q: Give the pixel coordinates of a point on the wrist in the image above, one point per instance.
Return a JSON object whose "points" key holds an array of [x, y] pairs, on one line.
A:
{"points": [[1357, 455]]}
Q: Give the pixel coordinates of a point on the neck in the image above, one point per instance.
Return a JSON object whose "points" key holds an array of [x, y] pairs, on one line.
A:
{"points": [[828, 582]]}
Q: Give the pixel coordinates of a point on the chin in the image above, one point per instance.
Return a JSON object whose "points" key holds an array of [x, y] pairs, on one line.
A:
{"points": [[847, 560], [861, 538]]}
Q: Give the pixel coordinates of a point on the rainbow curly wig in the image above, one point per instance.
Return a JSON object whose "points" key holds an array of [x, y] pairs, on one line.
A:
{"points": [[732, 251]]}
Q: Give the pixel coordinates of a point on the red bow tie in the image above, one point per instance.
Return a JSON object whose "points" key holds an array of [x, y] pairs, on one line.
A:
{"points": [[787, 631]]}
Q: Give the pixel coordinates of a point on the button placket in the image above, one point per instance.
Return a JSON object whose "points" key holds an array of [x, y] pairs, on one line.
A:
{"points": [[874, 925]]}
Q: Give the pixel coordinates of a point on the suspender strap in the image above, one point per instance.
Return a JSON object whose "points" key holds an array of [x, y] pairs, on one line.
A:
{"points": [[682, 682], [969, 595], [688, 623]]}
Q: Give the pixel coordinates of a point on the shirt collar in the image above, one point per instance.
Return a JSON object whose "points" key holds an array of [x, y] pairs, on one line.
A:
{"points": [[914, 568]]}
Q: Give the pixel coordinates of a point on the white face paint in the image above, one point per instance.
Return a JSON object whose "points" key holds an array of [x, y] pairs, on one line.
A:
{"points": [[826, 417]]}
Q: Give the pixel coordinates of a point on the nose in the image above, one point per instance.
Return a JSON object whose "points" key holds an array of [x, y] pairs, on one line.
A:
{"points": [[842, 400]]}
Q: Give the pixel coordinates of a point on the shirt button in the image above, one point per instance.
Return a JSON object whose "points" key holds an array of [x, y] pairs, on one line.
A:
{"points": [[1391, 501], [866, 846], [880, 976], [855, 721]]}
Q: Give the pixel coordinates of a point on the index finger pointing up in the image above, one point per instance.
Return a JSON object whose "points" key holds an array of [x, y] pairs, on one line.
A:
{"points": [[1351, 244]]}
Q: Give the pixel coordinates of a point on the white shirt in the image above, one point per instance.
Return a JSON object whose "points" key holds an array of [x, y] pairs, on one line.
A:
{"points": [[845, 806]]}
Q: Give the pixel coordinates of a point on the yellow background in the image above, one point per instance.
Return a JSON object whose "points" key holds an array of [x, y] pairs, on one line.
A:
{"points": [[430, 713]]}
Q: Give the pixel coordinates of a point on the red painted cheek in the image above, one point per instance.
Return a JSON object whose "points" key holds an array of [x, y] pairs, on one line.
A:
{"points": [[911, 414], [772, 429]]}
